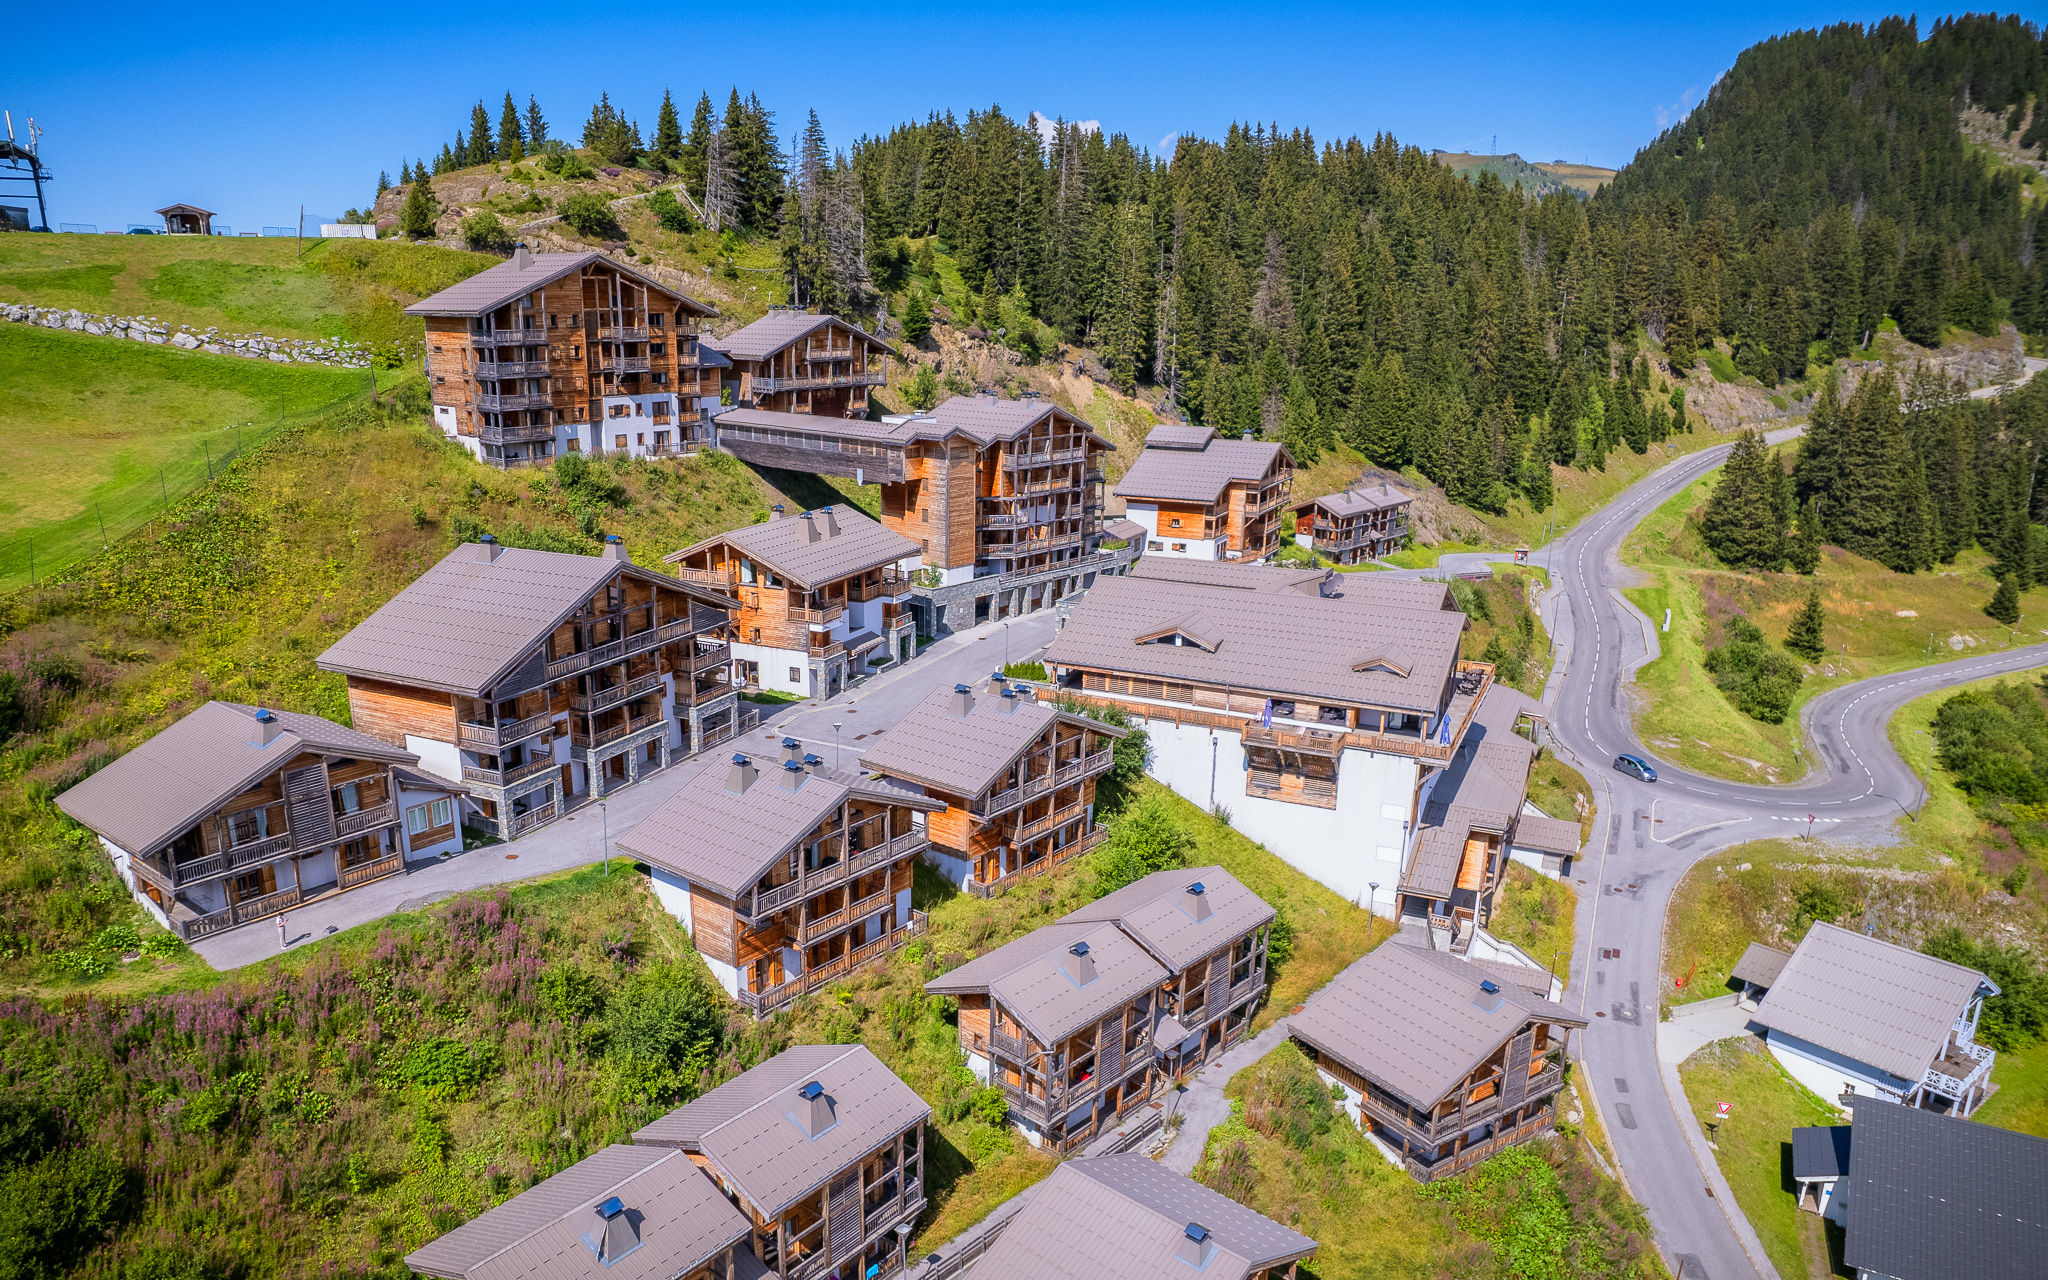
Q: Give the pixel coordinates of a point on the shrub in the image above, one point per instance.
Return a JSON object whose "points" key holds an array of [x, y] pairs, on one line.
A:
{"points": [[2018, 1014], [1995, 742], [55, 1211], [590, 215], [1760, 680], [568, 166], [484, 233], [1146, 837], [669, 212], [444, 1067]]}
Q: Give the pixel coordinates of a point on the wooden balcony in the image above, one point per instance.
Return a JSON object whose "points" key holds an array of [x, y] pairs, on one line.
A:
{"points": [[366, 819], [820, 927], [507, 777], [1094, 762], [611, 651], [193, 927], [489, 371], [1037, 827], [824, 617], [766, 902], [365, 872], [816, 382], [624, 364], [763, 1003], [1058, 857], [622, 333], [504, 733], [1479, 1152], [723, 579], [583, 741], [527, 433], [510, 338], [525, 822], [505, 402], [191, 871], [612, 697]]}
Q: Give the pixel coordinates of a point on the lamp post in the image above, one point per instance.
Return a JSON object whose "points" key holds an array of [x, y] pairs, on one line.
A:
{"points": [[1370, 903], [835, 743], [605, 823]]}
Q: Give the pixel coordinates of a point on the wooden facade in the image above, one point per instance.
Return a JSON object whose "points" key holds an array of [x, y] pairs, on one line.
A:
{"points": [[1072, 1090], [1037, 814], [1253, 512], [599, 360], [1350, 528], [1213, 998]]}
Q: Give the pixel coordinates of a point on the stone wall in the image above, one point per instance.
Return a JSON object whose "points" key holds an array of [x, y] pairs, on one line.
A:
{"points": [[339, 352]]}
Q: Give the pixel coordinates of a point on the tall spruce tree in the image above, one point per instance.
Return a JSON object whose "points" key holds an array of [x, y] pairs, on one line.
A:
{"points": [[481, 148], [2004, 604], [1802, 549], [417, 215], [1741, 524], [1808, 637], [511, 133], [668, 133], [697, 149], [536, 125]]}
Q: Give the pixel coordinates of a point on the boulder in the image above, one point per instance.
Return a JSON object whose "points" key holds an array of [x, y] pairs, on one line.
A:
{"points": [[185, 340]]}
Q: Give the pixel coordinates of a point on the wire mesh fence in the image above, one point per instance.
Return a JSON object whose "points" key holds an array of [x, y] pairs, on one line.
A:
{"points": [[52, 546]]}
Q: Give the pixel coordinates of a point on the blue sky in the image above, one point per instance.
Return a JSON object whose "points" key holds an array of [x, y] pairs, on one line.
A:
{"points": [[253, 110]]}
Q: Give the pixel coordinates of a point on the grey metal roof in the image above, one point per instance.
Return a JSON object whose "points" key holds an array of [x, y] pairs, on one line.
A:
{"points": [[727, 840], [744, 1127], [1873, 1001], [1025, 976], [1760, 964], [776, 330], [1821, 1151], [1151, 911], [1386, 590], [1178, 474], [1281, 643], [464, 624], [964, 755], [1174, 435], [1403, 1018], [682, 1219], [1126, 530], [984, 420], [1482, 789], [1352, 502], [493, 287], [421, 780], [154, 793], [1935, 1198], [1235, 574], [1533, 979], [1547, 835], [1123, 1218], [988, 418], [787, 546]]}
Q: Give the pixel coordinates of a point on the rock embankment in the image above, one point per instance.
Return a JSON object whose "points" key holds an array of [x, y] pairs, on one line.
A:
{"points": [[339, 352]]}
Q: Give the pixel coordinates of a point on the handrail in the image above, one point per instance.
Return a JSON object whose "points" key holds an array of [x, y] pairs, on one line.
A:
{"points": [[507, 777], [503, 401], [766, 902], [762, 1003], [604, 698], [349, 824], [505, 732], [532, 818], [229, 859], [350, 877]]}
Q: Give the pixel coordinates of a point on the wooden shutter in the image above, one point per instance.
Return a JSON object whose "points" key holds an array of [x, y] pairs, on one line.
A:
{"points": [[311, 804], [846, 1229], [1219, 985], [1516, 1086], [1109, 1050]]}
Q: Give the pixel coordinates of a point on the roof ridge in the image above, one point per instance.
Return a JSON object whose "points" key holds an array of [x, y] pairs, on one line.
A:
{"points": [[762, 1101], [664, 1158]]}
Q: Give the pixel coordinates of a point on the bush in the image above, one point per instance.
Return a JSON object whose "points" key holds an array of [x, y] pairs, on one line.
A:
{"points": [[1146, 837], [1761, 681], [54, 1212], [444, 1067], [485, 234], [670, 213], [568, 166], [2018, 1014], [590, 215], [1995, 742]]}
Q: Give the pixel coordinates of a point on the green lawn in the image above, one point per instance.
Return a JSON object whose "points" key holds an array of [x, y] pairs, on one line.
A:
{"points": [[337, 288], [1754, 1148], [2022, 1099], [1537, 914], [105, 429], [1684, 718]]}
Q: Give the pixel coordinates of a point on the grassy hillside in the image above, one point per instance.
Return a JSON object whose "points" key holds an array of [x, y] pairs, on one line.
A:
{"points": [[1536, 179], [354, 289], [104, 431]]}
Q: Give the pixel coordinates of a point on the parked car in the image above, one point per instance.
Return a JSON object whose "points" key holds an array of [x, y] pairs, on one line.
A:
{"points": [[1636, 767]]}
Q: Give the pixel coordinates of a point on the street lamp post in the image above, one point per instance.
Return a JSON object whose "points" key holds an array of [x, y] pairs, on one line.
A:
{"points": [[835, 743], [1370, 903], [605, 822]]}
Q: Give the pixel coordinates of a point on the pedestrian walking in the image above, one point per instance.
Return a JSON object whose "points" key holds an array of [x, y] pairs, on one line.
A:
{"points": [[280, 931]]}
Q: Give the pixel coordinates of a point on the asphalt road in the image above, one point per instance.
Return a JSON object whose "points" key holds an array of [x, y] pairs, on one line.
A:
{"points": [[1647, 835]]}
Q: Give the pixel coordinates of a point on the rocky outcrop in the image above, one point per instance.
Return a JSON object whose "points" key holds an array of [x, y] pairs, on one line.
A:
{"points": [[338, 352]]}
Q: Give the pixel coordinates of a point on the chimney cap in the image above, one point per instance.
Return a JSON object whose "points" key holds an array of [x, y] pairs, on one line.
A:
{"points": [[740, 757], [265, 716], [813, 760], [1489, 986], [811, 1090], [611, 1208], [791, 742], [792, 766], [1198, 888], [1080, 948], [1197, 1232], [961, 688]]}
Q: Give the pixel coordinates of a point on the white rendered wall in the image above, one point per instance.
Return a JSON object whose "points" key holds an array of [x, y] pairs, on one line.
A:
{"points": [[775, 665], [958, 871], [436, 757], [1348, 848], [1825, 1072], [120, 857], [639, 425], [673, 892]]}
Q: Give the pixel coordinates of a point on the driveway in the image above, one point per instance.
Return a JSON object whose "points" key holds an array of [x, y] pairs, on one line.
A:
{"points": [[581, 838]]}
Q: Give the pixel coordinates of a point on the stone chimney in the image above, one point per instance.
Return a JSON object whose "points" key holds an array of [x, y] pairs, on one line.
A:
{"points": [[267, 729], [962, 700], [614, 549], [742, 775], [1195, 901], [1078, 965], [487, 549], [793, 775]]}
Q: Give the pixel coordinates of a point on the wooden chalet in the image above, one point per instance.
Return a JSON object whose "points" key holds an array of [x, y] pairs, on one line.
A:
{"points": [[824, 597], [1198, 494], [553, 353], [821, 1148], [235, 814], [1003, 498], [1016, 777], [542, 680], [1210, 934], [791, 361], [1061, 1020], [1440, 1062], [787, 874], [1356, 526]]}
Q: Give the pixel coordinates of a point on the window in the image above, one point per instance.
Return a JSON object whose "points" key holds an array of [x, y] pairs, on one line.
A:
{"points": [[1174, 523], [661, 439], [425, 817], [249, 826], [347, 799], [1155, 546], [661, 410], [753, 635], [575, 445], [619, 441], [640, 438], [657, 348], [796, 675], [660, 379], [924, 514], [656, 320], [1180, 546], [576, 351]]}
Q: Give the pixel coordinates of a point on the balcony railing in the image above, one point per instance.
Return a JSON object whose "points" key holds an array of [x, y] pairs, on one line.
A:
{"points": [[1013, 461], [527, 434], [216, 864], [504, 733], [723, 579], [767, 386], [612, 697], [507, 777], [824, 926], [763, 1003], [622, 333], [611, 651], [510, 338], [1093, 762], [996, 887], [623, 364], [525, 822], [824, 617], [363, 873], [1052, 821], [512, 369], [240, 913], [506, 401], [766, 902], [1479, 1152], [366, 819], [606, 737]]}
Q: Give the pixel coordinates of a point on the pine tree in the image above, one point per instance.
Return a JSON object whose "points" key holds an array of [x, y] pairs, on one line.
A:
{"points": [[462, 153], [511, 136], [1803, 548], [917, 317], [536, 125], [481, 149], [2005, 602], [697, 150], [383, 181], [443, 163], [1741, 524], [668, 132], [1306, 436], [417, 216], [1807, 638]]}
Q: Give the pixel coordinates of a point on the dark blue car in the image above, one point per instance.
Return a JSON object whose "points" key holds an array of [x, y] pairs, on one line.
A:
{"points": [[1636, 767]]}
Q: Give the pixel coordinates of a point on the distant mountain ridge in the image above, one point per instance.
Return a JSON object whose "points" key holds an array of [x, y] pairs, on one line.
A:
{"points": [[1537, 178]]}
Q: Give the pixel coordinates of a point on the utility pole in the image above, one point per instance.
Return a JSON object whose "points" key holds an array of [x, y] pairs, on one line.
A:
{"points": [[299, 241], [605, 822]]}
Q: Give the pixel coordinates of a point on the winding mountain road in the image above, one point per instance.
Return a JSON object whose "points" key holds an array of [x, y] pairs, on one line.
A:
{"points": [[1646, 836]]}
